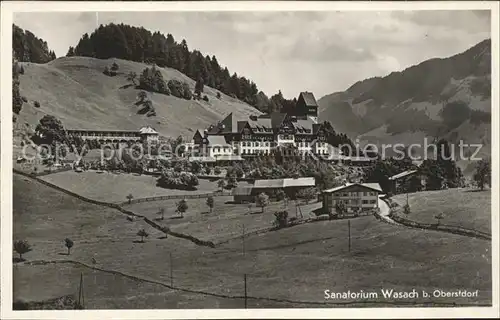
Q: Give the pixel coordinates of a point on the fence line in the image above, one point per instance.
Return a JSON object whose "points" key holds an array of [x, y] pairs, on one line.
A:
{"points": [[178, 196], [440, 227], [119, 208]]}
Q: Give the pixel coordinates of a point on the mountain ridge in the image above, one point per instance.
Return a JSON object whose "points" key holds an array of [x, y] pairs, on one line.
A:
{"points": [[418, 101]]}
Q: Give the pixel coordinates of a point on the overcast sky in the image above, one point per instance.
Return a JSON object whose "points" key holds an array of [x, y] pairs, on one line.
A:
{"points": [[322, 52]]}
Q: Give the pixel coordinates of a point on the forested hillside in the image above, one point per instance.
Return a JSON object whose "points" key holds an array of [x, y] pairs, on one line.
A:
{"points": [[141, 45], [28, 48]]}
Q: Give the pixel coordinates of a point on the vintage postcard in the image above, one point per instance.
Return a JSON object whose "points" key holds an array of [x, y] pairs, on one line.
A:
{"points": [[249, 160]]}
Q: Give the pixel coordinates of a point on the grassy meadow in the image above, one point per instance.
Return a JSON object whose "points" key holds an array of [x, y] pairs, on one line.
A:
{"points": [[226, 221], [467, 208], [296, 264], [114, 187]]}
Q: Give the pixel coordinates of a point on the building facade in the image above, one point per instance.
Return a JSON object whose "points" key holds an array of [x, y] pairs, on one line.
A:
{"points": [[296, 132], [144, 134], [355, 197]]}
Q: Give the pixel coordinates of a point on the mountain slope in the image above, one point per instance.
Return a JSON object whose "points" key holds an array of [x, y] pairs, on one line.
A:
{"points": [[75, 90], [449, 98]]}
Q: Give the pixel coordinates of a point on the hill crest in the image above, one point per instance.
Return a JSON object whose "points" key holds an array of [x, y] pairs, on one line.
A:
{"points": [[75, 90]]}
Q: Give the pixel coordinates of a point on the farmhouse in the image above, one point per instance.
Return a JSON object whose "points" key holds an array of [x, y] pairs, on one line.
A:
{"points": [[400, 180], [144, 134], [356, 197]]}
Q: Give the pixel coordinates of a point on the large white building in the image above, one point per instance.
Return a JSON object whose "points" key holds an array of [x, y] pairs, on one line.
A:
{"points": [[295, 132], [144, 134]]}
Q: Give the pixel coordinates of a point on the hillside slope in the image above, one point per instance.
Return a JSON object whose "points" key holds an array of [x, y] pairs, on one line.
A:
{"points": [[75, 90], [407, 106]]}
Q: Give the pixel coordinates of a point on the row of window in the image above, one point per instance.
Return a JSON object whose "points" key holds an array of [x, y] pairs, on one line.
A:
{"points": [[355, 202], [224, 149], [356, 194], [258, 144], [286, 136], [111, 134]]}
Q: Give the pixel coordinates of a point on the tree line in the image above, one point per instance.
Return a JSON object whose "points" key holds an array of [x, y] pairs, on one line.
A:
{"points": [[28, 48]]}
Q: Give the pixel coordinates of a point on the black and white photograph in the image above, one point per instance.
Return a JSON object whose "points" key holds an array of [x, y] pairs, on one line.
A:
{"points": [[274, 158]]}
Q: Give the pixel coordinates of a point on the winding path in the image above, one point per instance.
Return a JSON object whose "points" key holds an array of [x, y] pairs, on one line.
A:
{"points": [[385, 211]]}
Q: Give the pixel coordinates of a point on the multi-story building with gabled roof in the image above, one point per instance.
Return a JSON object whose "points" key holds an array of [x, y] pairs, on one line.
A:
{"points": [[298, 131]]}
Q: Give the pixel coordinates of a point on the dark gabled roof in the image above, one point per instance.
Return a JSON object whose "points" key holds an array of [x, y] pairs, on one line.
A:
{"points": [[277, 119], [227, 125], [303, 126], [309, 99]]}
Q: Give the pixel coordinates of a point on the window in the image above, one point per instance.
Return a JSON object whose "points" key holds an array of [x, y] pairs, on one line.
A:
{"points": [[373, 201], [365, 201]]}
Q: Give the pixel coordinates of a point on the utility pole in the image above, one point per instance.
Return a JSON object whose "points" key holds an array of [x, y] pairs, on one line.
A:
{"points": [[81, 298], [349, 232], [245, 279], [243, 238], [171, 271]]}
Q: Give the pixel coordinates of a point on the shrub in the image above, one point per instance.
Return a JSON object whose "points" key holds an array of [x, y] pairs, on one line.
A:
{"points": [[114, 66], [340, 208], [187, 94], [280, 194], [182, 207], [69, 244], [143, 234], [406, 209], [205, 98], [37, 104], [307, 194], [175, 87], [130, 197], [217, 170], [210, 203], [198, 88], [106, 71], [22, 247], [262, 200], [281, 219], [176, 180], [218, 95], [151, 79]]}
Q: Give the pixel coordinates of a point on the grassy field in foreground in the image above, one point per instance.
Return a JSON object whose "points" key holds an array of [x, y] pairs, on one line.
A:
{"points": [[226, 220], [298, 263], [466, 208], [111, 187]]}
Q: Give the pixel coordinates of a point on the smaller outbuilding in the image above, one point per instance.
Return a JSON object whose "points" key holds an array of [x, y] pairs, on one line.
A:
{"points": [[243, 195]]}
